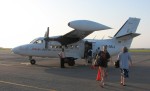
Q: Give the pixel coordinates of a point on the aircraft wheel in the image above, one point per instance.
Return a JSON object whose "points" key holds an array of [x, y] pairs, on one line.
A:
{"points": [[32, 61], [71, 62]]}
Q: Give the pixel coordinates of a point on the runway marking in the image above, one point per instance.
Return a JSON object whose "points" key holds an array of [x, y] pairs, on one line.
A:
{"points": [[22, 85]]}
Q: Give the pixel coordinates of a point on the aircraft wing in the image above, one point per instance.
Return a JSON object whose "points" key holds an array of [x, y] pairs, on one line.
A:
{"points": [[82, 28], [73, 36]]}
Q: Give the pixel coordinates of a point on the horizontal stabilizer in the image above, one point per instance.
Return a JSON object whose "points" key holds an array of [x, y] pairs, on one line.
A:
{"points": [[130, 26], [127, 36]]}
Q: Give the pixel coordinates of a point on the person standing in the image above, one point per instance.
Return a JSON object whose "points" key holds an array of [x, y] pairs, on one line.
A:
{"points": [[103, 63], [62, 58], [94, 61], [96, 53], [89, 57], [124, 59]]}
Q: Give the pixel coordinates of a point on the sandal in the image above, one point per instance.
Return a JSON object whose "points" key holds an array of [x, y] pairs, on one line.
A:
{"points": [[102, 84], [121, 83], [124, 85]]}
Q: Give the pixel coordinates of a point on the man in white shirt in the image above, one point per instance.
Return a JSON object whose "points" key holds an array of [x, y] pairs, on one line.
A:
{"points": [[62, 58]]}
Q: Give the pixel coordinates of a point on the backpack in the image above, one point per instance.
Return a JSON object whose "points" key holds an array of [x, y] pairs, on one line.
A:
{"points": [[102, 55]]}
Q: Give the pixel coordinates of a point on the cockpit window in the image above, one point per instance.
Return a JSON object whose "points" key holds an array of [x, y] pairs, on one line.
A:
{"points": [[36, 41], [33, 41], [39, 41]]}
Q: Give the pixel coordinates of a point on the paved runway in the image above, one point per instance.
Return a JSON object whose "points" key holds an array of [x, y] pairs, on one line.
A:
{"points": [[16, 74]]}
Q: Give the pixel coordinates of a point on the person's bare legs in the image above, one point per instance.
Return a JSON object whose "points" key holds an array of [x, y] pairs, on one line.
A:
{"points": [[105, 72], [102, 76], [122, 82]]}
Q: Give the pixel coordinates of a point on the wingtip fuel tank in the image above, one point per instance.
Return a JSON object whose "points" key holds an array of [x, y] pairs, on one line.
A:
{"points": [[86, 25]]}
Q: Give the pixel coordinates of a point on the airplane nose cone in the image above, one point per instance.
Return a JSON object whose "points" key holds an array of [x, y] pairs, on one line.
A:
{"points": [[15, 50]]}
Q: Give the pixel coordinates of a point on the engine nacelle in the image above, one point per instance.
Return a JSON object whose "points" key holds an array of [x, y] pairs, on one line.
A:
{"points": [[87, 25]]}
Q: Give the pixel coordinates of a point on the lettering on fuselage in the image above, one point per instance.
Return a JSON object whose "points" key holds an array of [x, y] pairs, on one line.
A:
{"points": [[43, 49], [110, 46]]}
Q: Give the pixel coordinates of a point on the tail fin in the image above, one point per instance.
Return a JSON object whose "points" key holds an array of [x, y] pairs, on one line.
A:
{"points": [[128, 28], [127, 32]]}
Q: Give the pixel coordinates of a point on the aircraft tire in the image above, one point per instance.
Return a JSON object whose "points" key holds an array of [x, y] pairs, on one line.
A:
{"points": [[32, 61], [71, 62]]}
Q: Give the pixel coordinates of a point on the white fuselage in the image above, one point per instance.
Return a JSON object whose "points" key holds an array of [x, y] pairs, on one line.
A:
{"points": [[75, 50]]}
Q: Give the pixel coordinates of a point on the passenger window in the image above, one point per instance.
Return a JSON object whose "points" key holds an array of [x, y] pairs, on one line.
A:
{"points": [[71, 46], [76, 46], [51, 46]]}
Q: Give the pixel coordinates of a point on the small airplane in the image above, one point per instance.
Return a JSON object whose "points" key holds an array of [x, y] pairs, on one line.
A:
{"points": [[75, 45]]}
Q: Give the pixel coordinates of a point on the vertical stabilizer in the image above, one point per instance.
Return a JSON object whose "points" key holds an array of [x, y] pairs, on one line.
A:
{"points": [[126, 33], [129, 27]]}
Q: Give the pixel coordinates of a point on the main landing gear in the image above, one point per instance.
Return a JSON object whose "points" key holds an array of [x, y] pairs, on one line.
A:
{"points": [[32, 61], [70, 61]]}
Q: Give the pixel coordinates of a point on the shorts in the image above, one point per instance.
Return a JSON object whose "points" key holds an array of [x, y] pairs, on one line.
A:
{"points": [[125, 73]]}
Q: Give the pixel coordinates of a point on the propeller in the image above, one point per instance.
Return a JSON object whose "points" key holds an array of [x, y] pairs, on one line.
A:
{"points": [[46, 38]]}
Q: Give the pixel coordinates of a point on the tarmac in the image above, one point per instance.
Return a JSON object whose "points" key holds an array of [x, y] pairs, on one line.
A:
{"points": [[16, 74]]}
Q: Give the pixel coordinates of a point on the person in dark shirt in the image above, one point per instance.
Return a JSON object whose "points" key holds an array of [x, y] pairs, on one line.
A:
{"points": [[89, 56], [104, 57]]}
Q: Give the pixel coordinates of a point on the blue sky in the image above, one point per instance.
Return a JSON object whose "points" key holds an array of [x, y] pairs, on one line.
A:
{"points": [[23, 20]]}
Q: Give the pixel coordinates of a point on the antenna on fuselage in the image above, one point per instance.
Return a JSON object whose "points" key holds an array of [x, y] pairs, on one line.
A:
{"points": [[94, 37], [103, 37]]}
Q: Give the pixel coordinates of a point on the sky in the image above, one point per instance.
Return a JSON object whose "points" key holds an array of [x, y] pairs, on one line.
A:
{"points": [[21, 21]]}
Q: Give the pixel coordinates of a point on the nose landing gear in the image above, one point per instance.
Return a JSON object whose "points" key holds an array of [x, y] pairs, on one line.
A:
{"points": [[32, 61]]}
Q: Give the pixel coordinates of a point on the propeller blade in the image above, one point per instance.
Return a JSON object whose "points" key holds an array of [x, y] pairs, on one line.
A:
{"points": [[46, 38], [47, 33]]}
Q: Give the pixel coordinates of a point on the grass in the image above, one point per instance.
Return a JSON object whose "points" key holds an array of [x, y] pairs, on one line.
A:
{"points": [[5, 48], [139, 50]]}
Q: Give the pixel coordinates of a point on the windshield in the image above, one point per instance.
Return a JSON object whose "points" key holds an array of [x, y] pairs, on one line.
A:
{"points": [[33, 41], [36, 41]]}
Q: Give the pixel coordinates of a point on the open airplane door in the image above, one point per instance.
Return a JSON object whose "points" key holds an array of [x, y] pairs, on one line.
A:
{"points": [[87, 46]]}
